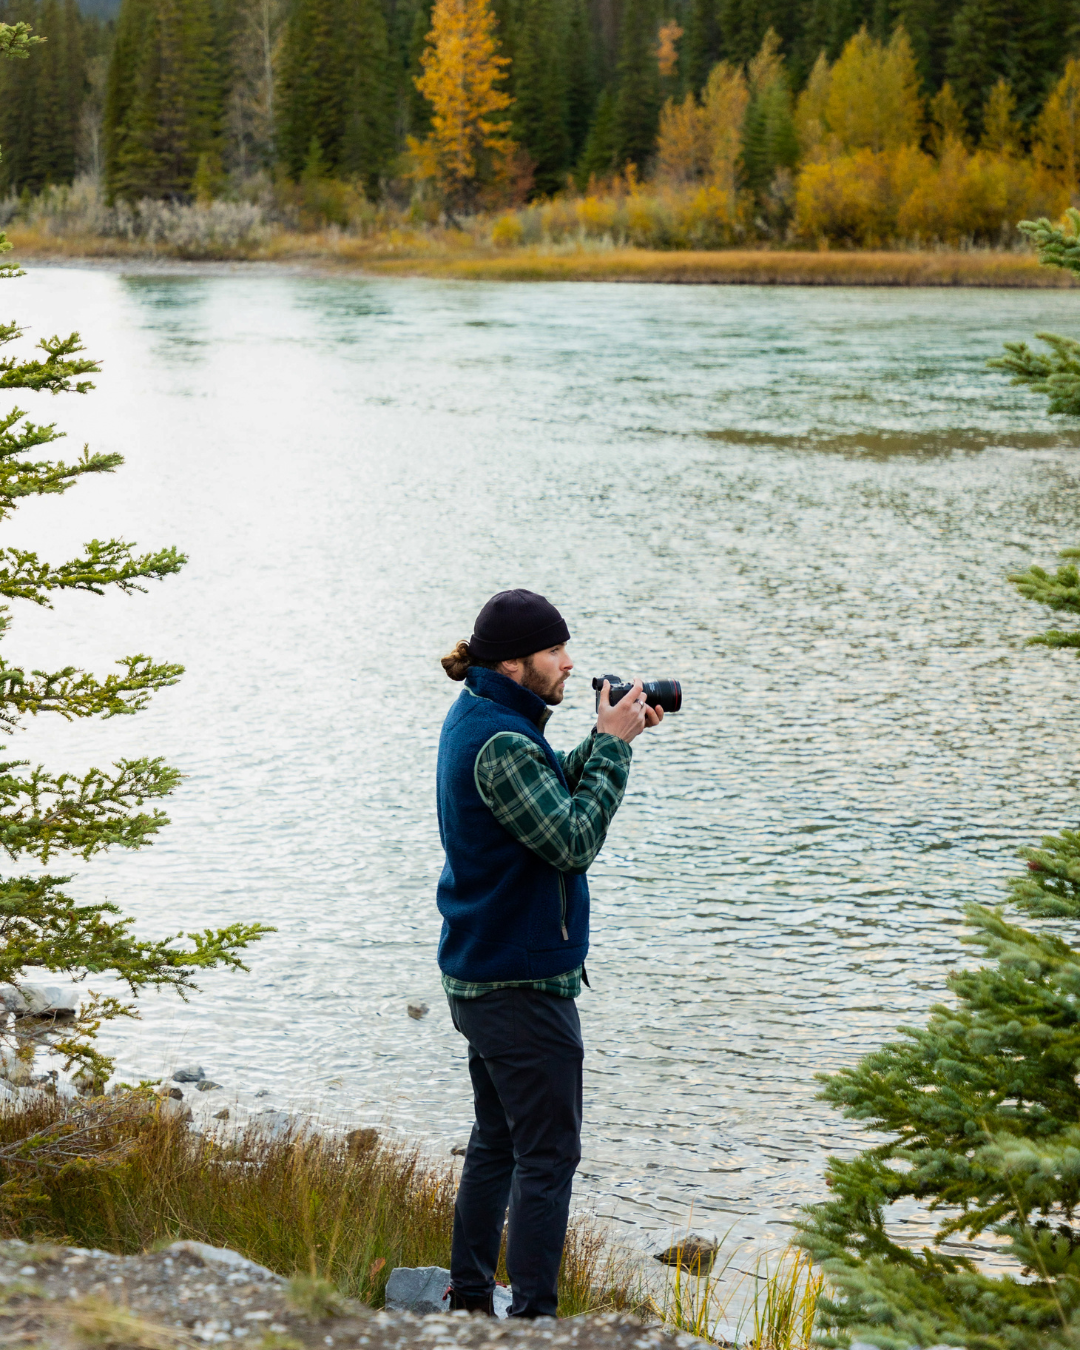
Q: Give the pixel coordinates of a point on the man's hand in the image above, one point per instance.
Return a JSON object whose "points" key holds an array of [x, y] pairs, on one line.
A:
{"points": [[629, 717]]}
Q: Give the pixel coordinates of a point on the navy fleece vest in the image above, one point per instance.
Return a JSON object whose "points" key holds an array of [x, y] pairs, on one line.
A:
{"points": [[503, 907]]}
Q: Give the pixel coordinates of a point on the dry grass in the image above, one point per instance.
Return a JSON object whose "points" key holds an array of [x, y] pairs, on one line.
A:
{"points": [[115, 1173], [457, 256]]}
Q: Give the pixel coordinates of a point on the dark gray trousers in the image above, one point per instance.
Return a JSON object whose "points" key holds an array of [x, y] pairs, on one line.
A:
{"points": [[525, 1056]]}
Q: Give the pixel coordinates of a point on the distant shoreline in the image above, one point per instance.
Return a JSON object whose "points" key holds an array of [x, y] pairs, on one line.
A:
{"points": [[328, 252]]}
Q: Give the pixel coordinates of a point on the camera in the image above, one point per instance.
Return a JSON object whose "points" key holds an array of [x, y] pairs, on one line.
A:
{"points": [[665, 694]]}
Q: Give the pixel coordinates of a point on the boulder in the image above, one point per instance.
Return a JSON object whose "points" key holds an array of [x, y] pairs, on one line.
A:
{"points": [[13, 1000], [171, 1109], [692, 1252], [207, 1085], [190, 1074], [164, 1090], [224, 1259], [49, 1000], [223, 1114], [422, 1290], [417, 1009]]}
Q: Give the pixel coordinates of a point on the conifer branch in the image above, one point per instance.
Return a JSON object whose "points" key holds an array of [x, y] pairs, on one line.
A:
{"points": [[16, 40], [24, 577], [1060, 592], [1056, 247], [55, 373], [75, 693], [42, 813]]}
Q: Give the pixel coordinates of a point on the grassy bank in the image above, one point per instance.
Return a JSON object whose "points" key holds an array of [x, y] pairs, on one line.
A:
{"points": [[118, 1174], [447, 254]]}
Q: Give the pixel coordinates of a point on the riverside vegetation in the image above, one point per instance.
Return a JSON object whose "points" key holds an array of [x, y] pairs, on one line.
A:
{"points": [[470, 130]]}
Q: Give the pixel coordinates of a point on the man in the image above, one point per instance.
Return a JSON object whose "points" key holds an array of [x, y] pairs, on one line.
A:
{"points": [[521, 823]]}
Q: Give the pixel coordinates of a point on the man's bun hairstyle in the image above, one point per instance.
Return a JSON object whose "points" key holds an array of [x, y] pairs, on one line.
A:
{"points": [[511, 624], [456, 663]]}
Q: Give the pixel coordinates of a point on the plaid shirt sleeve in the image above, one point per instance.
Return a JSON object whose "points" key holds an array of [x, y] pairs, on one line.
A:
{"points": [[566, 829]]}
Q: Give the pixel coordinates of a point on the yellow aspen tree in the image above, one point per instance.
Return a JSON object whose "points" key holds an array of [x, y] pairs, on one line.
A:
{"points": [[811, 124], [1001, 131], [1056, 145], [874, 101], [467, 153], [681, 147], [723, 112], [948, 123]]}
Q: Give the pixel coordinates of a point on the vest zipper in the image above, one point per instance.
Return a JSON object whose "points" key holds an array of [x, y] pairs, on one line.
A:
{"points": [[562, 901]]}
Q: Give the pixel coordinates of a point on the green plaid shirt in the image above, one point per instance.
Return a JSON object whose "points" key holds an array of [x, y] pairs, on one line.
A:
{"points": [[565, 828]]}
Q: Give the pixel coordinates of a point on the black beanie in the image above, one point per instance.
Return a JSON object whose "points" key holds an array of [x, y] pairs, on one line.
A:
{"points": [[516, 623]]}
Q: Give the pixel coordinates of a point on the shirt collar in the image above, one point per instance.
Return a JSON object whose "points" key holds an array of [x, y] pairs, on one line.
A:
{"points": [[501, 689]]}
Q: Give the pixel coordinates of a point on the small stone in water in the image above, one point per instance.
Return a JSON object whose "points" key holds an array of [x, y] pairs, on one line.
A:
{"points": [[458, 1151], [692, 1253], [191, 1074], [207, 1085], [361, 1141], [417, 1010], [263, 1092], [223, 1114], [165, 1091]]}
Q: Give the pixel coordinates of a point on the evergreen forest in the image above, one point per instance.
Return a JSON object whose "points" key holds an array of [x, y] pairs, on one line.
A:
{"points": [[186, 100]]}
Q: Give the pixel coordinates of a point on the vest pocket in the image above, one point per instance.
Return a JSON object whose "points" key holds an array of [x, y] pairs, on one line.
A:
{"points": [[562, 906]]}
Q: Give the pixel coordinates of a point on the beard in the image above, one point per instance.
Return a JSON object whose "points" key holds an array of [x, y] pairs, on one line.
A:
{"points": [[549, 689]]}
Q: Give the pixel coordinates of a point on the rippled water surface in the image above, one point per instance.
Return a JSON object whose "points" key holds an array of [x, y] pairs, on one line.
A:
{"points": [[802, 502]]}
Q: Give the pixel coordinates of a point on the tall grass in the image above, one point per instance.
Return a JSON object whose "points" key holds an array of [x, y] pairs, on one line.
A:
{"points": [[121, 1173], [778, 1312]]}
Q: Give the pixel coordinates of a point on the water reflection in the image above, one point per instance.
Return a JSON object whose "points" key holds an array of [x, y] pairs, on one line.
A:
{"points": [[801, 503]]}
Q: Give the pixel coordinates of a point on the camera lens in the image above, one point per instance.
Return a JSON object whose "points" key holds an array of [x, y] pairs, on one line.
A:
{"points": [[666, 694]]}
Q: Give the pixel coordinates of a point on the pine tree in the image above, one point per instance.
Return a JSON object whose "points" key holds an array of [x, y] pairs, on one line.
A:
{"points": [[1000, 130], [41, 101], [417, 106], [704, 44], [637, 99], [980, 1110], [540, 112], [335, 85], [598, 156], [44, 813], [165, 97], [467, 154], [580, 63], [251, 112], [769, 141]]}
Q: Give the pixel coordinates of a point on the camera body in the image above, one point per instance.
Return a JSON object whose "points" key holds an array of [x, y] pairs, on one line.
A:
{"points": [[665, 694]]}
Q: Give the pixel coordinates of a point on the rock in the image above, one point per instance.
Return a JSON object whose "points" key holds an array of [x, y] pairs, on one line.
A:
{"points": [[274, 1124], [419, 1289], [85, 1084], [13, 1000], [20, 1074], [458, 1151], [164, 1090], [189, 1075], [263, 1092], [50, 1000], [224, 1258], [207, 1085], [417, 1009], [363, 1141], [692, 1252], [223, 1114], [171, 1109], [422, 1290]]}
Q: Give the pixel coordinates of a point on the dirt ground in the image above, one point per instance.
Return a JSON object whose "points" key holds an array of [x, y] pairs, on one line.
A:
{"points": [[191, 1295]]}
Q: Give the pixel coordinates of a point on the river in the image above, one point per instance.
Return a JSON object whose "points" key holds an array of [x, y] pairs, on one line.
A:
{"points": [[802, 502]]}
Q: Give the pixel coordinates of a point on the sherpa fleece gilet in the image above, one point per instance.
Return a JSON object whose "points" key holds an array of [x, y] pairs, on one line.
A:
{"points": [[503, 907]]}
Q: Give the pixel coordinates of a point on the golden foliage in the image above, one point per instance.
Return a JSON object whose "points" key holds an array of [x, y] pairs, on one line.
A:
{"points": [[1056, 145], [667, 50], [462, 69], [810, 109], [1001, 131], [767, 67], [869, 100], [947, 120], [700, 142], [870, 197]]}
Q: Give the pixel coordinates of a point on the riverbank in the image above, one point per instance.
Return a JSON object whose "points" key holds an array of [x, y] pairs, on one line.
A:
{"points": [[444, 256], [324, 1218]]}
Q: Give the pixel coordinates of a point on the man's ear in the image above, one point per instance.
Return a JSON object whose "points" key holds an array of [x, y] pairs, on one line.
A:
{"points": [[511, 669]]}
